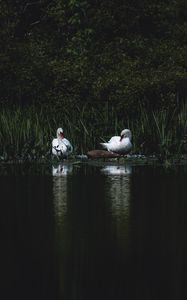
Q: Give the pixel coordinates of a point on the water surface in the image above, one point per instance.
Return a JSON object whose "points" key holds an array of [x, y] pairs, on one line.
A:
{"points": [[82, 231]]}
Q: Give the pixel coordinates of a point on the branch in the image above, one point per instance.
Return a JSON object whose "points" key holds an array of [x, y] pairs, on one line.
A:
{"points": [[30, 4]]}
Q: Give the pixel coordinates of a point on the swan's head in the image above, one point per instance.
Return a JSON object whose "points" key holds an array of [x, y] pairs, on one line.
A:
{"points": [[126, 133], [60, 133]]}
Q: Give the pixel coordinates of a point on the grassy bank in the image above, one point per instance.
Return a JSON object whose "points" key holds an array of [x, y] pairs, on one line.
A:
{"points": [[26, 134]]}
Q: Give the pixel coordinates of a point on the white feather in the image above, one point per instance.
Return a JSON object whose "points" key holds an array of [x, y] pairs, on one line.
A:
{"points": [[60, 145], [119, 144]]}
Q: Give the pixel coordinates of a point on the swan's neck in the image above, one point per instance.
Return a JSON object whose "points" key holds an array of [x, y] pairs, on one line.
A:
{"points": [[59, 138], [125, 138]]}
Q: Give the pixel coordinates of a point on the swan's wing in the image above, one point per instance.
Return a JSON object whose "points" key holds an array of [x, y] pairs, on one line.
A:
{"points": [[126, 144], [54, 143], [114, 139], [112, 143], [58, 148], [68, 145], [121, 147], [55, 147], [104, 145], [63, 148]]}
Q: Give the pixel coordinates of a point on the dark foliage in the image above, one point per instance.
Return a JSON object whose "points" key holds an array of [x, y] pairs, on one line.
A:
{"points": [[62, 53]]}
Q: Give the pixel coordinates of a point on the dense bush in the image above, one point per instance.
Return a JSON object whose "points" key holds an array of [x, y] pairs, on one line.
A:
{"points": [[62, 53]]}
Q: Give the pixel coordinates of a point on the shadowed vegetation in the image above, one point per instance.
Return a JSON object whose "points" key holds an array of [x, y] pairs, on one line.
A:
{"points": [[93, 68], [27, 134], [61, 53]]}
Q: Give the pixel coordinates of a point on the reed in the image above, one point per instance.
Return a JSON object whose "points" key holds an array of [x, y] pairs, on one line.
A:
{"points": [[162, 133], [26, 134]]}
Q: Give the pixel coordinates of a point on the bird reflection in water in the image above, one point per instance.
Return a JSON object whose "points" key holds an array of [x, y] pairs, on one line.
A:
{"points": [[117, 170], [61, 169], [118, 191], [60, 173]]}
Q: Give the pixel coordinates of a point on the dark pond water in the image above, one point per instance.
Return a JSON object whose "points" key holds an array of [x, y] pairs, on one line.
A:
{"points": [[83, 232]]}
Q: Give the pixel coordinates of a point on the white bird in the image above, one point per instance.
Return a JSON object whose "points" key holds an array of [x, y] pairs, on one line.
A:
{"points": [[61, 147], [119, 144]]}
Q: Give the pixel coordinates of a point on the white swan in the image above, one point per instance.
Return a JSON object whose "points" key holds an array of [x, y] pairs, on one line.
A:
{"points": [[119, 144], [60, 145]]}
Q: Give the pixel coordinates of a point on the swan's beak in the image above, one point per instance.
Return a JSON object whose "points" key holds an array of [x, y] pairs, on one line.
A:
{"points": [[62, 135], [121, 137]]}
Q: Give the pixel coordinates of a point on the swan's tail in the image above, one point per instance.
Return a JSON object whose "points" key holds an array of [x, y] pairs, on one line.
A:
{"points": [[104, 145]]}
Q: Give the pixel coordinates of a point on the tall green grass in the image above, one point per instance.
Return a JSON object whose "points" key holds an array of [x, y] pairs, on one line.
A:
{"points": [[26, 134], [162, 133]]}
